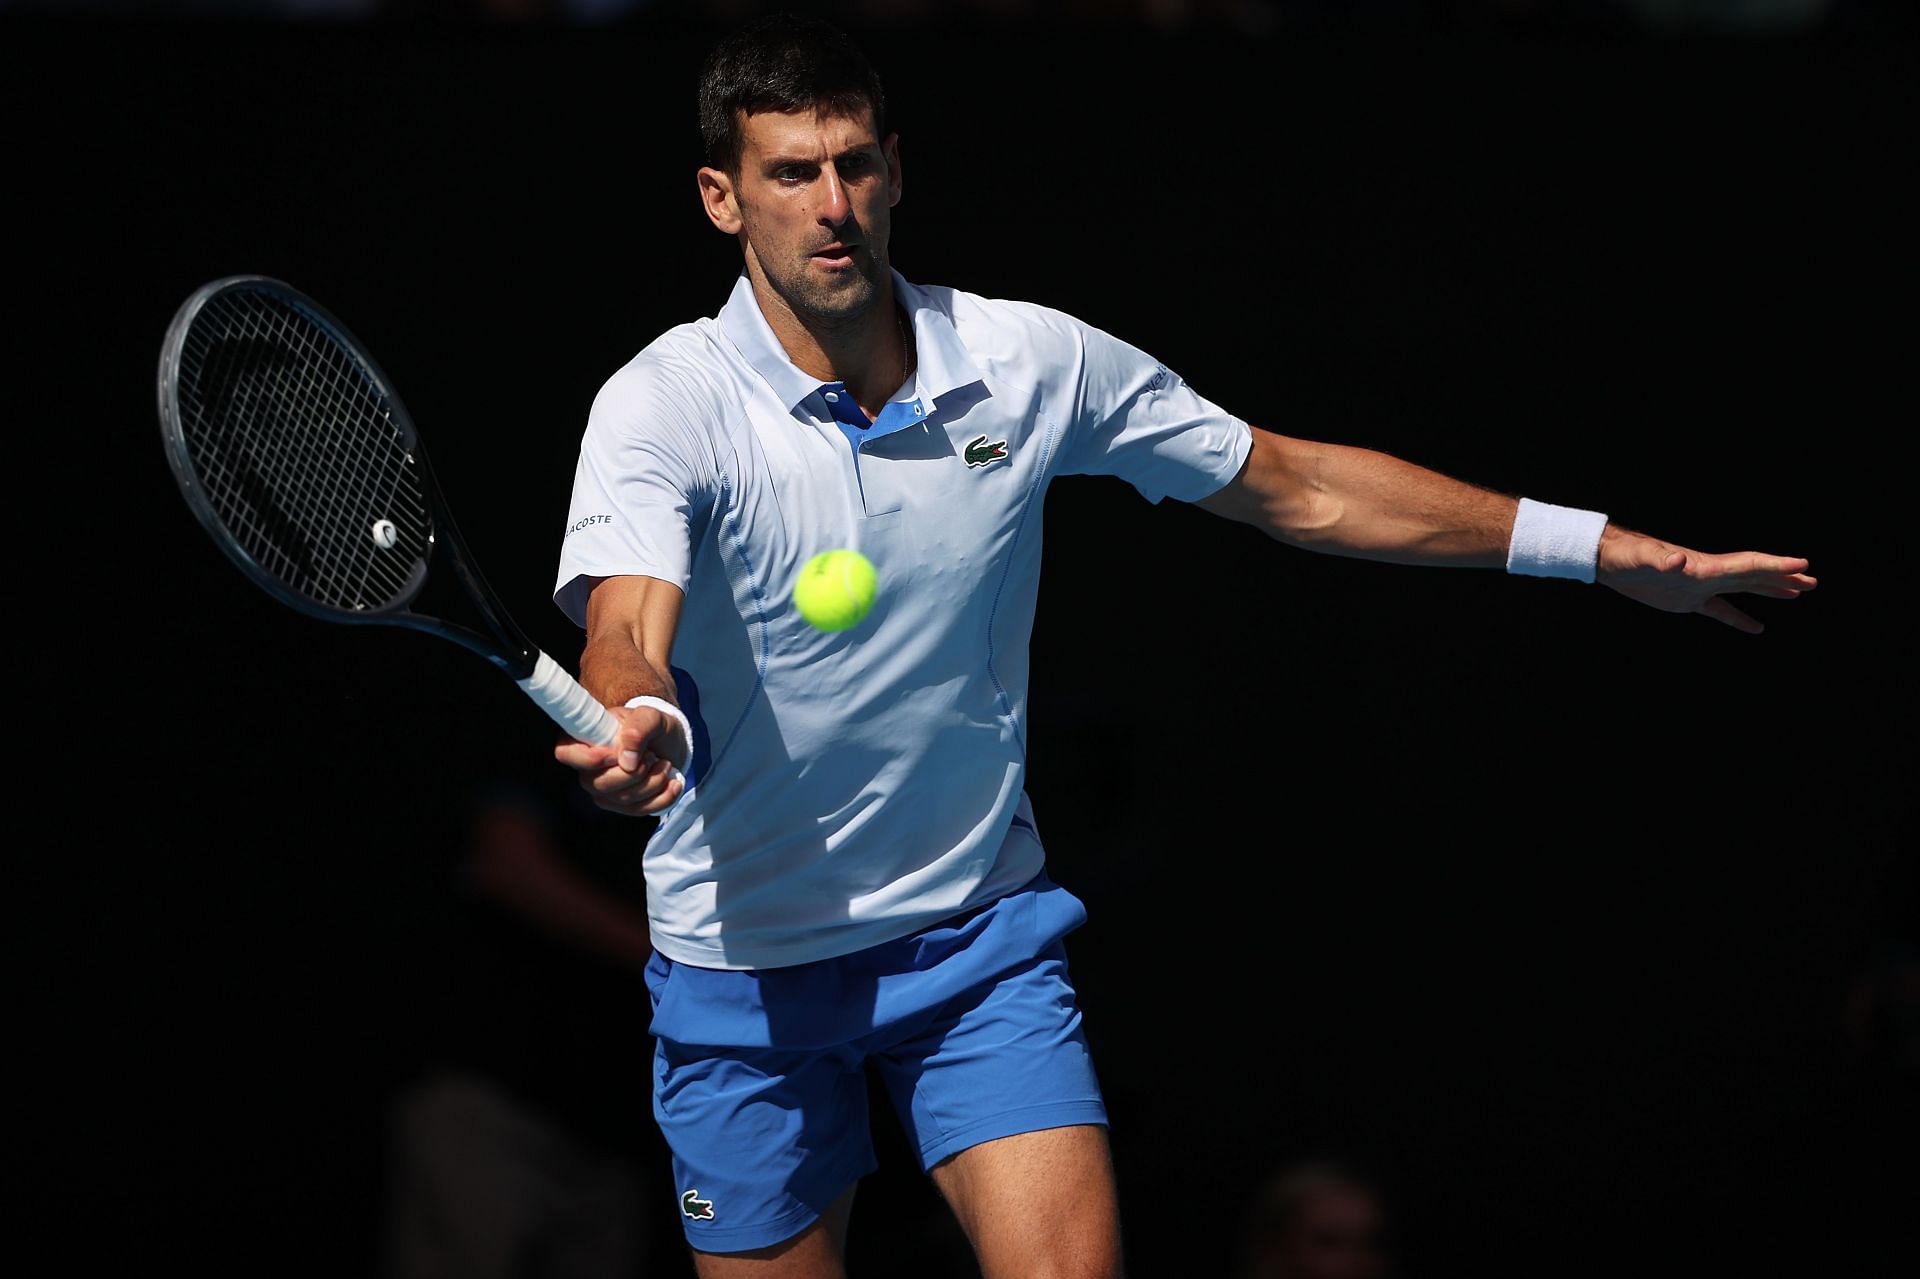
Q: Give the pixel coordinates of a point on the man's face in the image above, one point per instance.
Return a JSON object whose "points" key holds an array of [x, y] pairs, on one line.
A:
{"points": [[812, 204]]}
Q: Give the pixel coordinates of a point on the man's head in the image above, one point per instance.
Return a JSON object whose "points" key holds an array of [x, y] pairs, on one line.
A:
{"points": [[786, 65], [800, 166]]}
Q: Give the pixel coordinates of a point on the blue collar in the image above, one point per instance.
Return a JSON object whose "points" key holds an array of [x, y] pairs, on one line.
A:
{"points": [[944, 364]]}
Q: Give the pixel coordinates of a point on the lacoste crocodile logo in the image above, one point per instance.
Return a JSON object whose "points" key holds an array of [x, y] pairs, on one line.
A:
{"points": [[694, 1206], [980, 452]]}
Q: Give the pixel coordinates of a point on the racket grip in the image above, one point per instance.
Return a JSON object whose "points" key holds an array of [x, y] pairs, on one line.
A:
{"points": [[570, 706]]}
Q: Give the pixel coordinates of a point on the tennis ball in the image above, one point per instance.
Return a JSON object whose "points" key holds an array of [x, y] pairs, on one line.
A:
{"points": [[836, 589]]}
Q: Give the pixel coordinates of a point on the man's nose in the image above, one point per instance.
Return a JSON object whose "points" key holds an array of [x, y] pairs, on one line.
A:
{"points": [[837, 208]]}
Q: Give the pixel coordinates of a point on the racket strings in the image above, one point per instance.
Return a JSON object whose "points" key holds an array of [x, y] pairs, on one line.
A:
{"points": [[295, 445]]}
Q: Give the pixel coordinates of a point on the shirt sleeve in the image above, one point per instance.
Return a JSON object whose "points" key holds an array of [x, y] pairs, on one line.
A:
{"points": [[1139, 420], [636, 489]]}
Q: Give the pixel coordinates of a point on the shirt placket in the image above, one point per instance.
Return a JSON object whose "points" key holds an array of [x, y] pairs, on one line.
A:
{"points": [[858, 428]]}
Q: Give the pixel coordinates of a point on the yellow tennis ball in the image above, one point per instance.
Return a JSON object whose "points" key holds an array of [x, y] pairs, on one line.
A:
{"points": [[836, 589]]}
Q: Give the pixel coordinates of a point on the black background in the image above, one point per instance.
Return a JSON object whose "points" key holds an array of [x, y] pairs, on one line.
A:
{"points": [[1544, 906]]}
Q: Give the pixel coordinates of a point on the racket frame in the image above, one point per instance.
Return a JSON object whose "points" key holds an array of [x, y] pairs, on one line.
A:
{"points": [[502, 643]]}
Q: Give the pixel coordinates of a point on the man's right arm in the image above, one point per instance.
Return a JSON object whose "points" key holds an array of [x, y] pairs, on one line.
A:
{"points": [[630, 626]]}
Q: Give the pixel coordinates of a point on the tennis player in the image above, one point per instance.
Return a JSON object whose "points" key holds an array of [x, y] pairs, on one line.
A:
{"points": [[846, 872]]}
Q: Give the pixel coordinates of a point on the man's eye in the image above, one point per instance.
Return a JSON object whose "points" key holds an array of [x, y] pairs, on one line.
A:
{"points": [[790, 173], [855, 164]]}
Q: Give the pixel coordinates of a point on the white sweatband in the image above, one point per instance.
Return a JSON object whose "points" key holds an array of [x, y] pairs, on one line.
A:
{"points": [[1555, 541], [673, 713]]}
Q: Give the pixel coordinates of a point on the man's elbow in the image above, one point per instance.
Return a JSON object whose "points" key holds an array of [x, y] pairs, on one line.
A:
{"points": [[1280, 492], [1303, 515]]}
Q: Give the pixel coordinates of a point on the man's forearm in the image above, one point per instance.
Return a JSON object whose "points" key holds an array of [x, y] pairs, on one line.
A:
{"points": [[630, 626], [615, 671]]}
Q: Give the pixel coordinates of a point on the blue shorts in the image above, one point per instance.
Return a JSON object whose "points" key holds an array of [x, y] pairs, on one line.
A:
{"points": [[759, 1080]]}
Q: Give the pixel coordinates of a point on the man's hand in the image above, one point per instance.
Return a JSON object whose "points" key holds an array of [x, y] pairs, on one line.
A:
{"points": [[1678, 580], [635, 775]]}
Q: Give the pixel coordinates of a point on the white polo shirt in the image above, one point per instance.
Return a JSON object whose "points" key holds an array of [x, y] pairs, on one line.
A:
{"points": [[849, 788]]}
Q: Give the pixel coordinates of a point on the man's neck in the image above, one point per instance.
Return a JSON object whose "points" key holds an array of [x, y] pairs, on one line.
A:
{"points": [[866, 352]]}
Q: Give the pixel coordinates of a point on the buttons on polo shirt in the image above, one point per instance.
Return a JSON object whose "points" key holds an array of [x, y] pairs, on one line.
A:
{"points": [[832, 397]]}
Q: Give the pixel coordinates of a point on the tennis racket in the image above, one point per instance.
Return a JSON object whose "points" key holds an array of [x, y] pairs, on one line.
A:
{"points": [[295, 453]]}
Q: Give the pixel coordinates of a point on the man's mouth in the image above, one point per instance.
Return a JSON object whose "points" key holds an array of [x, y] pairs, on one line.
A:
{"points": [[835, 254]]}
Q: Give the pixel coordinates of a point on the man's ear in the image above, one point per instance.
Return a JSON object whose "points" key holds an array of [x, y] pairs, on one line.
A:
{"points": [[891, 150], [716, 195]]}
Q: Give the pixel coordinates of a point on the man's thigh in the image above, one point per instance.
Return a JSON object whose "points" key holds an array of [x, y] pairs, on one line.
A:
{"points": [[1038, 1205]]}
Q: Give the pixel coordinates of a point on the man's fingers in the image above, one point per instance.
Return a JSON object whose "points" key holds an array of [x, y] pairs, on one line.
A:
{"points": [[1778, 585], [632, 740], [662, 788], [624, 792], [584, 756], [675, 785], [644, 734], [589, 758], [1754, 564], [630, 776], [652, 772], [1795, 582]]}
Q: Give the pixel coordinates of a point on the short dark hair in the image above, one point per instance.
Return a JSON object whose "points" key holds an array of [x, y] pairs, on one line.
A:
{"points": [[782, 63]]}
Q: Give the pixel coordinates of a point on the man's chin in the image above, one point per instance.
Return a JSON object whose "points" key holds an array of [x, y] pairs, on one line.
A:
{"points": [[838, 301], [834, 295]]}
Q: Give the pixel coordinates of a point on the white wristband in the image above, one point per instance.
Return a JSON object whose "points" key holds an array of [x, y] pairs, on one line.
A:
{"points": [[675, 714], [1555, 541]]}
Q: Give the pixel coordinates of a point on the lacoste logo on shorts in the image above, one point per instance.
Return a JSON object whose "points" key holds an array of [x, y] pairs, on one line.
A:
{"points": [[695, 1207], [979, 452]]}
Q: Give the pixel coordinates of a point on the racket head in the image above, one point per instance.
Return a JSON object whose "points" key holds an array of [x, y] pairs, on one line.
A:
{"points": [[295, 453]]}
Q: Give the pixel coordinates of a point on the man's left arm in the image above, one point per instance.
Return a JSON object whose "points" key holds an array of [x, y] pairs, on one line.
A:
{"points": [[1361, 503]]}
